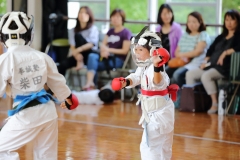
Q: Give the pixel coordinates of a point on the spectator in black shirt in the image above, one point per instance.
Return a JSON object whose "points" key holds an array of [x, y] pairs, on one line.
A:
{"points": [[217, 61]]}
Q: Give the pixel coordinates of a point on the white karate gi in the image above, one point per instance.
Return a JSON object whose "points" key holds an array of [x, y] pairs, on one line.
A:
{"points": [[88, 97], [27, 70], [160, 111]]}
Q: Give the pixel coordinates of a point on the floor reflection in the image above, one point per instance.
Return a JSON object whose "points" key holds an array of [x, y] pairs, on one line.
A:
{"points": [[111, 132], [90, 110]]}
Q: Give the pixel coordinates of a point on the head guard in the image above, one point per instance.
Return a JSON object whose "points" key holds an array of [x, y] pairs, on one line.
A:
{"points": [[16, 28], [146, 39]]}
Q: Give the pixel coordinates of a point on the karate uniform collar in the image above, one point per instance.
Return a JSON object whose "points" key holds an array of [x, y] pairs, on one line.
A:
{"points": [[12, 48]]}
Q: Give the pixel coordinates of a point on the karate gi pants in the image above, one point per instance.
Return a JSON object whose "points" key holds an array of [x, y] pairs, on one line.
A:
{"points": [[160, 145], [44, 137]]}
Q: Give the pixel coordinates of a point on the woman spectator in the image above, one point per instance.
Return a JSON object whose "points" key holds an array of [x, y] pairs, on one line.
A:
{"points": [[83, 40], [216, 64], [113, 49], [170, 30], [192, 45]]}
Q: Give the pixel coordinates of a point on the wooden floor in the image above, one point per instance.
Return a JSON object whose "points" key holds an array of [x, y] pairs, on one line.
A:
{"points": [[111, 132]]}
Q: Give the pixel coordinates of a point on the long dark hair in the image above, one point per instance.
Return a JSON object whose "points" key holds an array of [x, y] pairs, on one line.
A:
{"points": [[198, 16], [234, 15], [78, 27], [159, 18], [121, 13]]}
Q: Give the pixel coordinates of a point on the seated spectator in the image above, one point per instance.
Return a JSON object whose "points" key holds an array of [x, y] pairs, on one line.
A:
{"points": [[170, 31], [113, 49], [192, 45], [216, 64], [83, 40]]}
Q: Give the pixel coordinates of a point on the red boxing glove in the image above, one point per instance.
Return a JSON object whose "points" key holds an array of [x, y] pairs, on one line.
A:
{"points": [[117, 83], [163, 54], [74, 100]]}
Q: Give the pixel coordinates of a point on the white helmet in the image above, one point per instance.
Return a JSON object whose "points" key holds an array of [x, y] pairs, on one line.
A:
{"points": [[147, 39], [16, 28]]}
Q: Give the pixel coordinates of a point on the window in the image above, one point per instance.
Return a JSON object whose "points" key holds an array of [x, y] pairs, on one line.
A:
{"points": [[3, 7], [209, 9], [192, 1], [135, 10], [73, 8], [100, 9]]}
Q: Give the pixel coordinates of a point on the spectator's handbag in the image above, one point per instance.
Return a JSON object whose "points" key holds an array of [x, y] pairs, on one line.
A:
{"points": [[178, 62]]}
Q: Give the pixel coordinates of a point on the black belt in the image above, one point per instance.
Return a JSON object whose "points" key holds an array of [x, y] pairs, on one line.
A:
{"points": [[30, 104]]}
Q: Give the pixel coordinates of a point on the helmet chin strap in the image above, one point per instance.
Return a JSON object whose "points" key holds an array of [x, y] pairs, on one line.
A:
{"points": [[145, 63], [147, 60]]}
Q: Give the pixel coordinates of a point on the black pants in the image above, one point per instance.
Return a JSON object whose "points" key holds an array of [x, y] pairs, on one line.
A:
{"points": [[71, 61], [170, 71], [66, 64]]}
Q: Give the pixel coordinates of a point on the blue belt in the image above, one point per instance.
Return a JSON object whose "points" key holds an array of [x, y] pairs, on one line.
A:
{"points": [[41, 96]]}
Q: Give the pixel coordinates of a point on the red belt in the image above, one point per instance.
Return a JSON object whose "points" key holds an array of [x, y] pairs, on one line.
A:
{"points": [[154, 93], [172, 90]]}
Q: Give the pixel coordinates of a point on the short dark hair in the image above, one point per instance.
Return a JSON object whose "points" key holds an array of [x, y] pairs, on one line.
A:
{"points": [[159, 18], [234, 15], [78, 27], [121, 12], [198, 16]]}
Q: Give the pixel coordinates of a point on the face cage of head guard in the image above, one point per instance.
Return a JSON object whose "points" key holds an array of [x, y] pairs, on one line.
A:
{"points": [[27, 36], [154, 43]]}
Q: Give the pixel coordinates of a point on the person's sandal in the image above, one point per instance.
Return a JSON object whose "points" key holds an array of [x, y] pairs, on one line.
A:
{"points": [[213, 111]]}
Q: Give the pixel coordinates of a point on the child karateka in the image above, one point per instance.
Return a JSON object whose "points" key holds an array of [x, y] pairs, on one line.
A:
{"points": [[156, 95], [25, 71]]}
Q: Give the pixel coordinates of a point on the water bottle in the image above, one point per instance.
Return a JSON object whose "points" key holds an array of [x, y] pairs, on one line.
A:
{"points": [[221, 102]]}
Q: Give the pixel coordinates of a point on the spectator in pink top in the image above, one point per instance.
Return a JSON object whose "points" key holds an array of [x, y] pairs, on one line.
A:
{"points": [[170, 30]]}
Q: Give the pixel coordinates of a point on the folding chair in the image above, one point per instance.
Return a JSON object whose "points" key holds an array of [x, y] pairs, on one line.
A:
{"points": [[71, 81], [234, 79], [128, 67], [76, 78], [61, 42]]}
